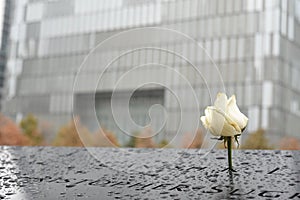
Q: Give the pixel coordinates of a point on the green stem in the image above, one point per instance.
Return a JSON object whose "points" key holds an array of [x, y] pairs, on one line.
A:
{"points": [[229, 150]]}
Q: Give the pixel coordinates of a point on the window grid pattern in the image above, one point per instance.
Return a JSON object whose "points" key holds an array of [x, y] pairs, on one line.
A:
{"points": [[251, 41]]}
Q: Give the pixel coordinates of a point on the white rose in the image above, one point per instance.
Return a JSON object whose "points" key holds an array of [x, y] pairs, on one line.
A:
{"points": [[224, 118]]}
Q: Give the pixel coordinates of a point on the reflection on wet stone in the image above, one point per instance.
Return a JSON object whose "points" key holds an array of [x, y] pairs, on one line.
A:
{"points": [[72, 173]]}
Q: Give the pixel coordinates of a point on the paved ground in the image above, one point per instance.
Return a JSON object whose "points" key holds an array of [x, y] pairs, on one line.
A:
{"points": [[105, 173]]}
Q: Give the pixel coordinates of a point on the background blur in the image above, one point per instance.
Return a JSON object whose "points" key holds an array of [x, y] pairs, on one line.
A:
{"points": [[254, 43]]}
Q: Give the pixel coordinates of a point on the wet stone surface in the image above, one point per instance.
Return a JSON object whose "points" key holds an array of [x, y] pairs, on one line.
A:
{"points": [[104, 173]]}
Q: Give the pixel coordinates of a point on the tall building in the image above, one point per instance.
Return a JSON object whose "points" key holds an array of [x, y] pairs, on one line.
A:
{"points": [[254, 43], [4, 33]]}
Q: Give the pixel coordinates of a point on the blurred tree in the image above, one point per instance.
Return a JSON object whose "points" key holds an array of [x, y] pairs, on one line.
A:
{"points": [[289, 143], [144, 140], [164, 144], [256, 140], [29, 126], [10, 134], [48, 130], [105, 138], [132, 140], [193, 141], [68, 135]]}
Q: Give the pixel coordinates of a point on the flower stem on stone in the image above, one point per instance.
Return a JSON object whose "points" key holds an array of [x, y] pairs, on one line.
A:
{"points": [[229, 150]]}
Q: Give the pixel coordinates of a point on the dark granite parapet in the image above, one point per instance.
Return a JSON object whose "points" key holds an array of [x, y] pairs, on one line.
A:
{"points": [[105, 173]]}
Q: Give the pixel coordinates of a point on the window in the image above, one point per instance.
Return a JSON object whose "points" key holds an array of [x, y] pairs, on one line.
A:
{"points": [[291, 27], [232, 53], [216, 48], [58, 8], [240, 48], [139, 104], [224, 49], [33, 30], [34, 12], [250, 5], [229, 6], [283, 23], [295, 74], [276, 45], [297, 10], [269, 21], [267, 44]]}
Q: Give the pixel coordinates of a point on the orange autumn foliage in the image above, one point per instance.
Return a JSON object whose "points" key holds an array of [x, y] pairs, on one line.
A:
{"points": [[256, 140], [68, 135], [10, 134], [144, 140], [75, 134], [193, 141], [289, 143], [105, 138]]}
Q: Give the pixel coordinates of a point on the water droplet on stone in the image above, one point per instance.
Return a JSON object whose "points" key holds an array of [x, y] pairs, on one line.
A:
{"points": [[79, 195]]}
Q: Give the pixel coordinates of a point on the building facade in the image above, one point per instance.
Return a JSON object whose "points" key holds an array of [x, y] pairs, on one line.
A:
{"points": [[4, 35], [254, 43]]}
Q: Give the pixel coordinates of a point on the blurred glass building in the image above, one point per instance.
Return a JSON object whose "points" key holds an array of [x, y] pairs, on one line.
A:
{"points": [[4, 34], [254, 43]]}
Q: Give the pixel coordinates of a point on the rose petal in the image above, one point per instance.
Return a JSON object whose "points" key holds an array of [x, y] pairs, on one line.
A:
{"points": [[221, 102], [235, 114], [229, 130], [227, 118], [204, 122], [217, 121], [208, 115]]}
